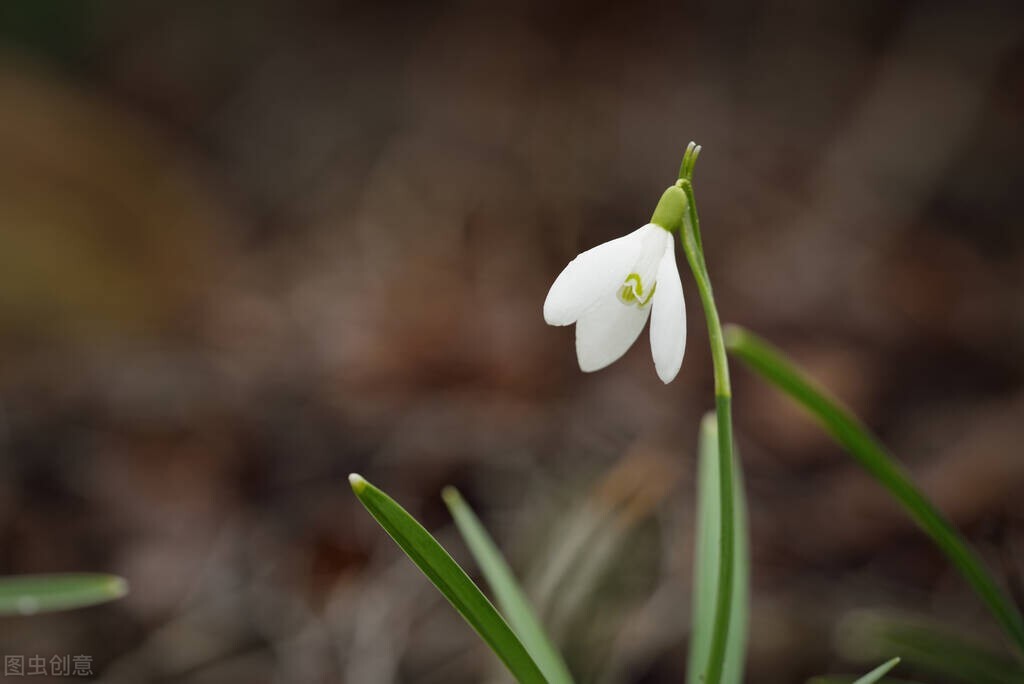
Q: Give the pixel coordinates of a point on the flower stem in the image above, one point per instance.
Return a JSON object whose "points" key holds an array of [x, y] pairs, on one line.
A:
{"points": [[691, 241]]}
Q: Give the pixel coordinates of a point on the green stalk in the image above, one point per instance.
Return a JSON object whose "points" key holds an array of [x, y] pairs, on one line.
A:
{"points": [[690, 237], [855, 438]]}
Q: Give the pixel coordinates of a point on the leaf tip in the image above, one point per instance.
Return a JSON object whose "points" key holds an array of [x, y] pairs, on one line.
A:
{"points": [[117, 586], [357, 482], [733, 335], [709, 424], [891, 663], [451, 496]]}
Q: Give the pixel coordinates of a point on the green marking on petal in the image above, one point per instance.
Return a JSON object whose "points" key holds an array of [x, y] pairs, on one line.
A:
{"points": [[632, 291]]}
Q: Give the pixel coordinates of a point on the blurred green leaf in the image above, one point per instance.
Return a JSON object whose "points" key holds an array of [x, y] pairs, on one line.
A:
{"points": [[926, 646], [879, 672], [450, 579], [851, 679], [59, 29], [510, 596], [30, 594], [594, 562], [872, 456], [706, 561]]}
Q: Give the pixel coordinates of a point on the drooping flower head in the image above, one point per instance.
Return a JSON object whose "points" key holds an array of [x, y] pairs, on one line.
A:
{"points": [[610, 291]]}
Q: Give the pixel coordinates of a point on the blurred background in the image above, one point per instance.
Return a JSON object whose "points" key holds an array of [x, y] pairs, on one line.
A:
{"points": [[247, 249]]}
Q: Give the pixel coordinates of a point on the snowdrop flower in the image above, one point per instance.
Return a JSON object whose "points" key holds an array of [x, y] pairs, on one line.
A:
{"points": [[610, 291]]}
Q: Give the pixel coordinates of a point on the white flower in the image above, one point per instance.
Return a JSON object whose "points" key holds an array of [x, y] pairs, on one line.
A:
{"points": [[609, 292]]}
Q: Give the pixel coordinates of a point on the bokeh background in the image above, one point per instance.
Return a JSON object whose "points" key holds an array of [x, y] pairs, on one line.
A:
{"points": [[246, 249]]}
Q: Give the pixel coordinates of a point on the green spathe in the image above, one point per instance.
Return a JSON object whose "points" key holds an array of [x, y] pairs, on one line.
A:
{"points": [[671, 207]]}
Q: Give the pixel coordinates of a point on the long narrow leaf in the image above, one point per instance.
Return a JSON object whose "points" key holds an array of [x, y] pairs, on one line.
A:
{"points": [[510, 596], [872, 456], [878, 672], [873, 677], [706, 564], [450, 579], [852, 679], [30, 594], [928, 647]]}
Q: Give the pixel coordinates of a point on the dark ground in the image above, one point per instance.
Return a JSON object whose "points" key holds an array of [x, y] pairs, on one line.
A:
{"points": [[246, 251]]}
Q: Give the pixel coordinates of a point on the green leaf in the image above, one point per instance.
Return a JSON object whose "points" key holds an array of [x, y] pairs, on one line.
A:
{"points": [[849, 432], [926, 646], [30, 594], [878, 672], [848, 679], [449, 578], [510, 596], [706, 559]]}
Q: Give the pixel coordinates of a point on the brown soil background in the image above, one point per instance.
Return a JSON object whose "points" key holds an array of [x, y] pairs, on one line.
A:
{"points": [[247, 250]]}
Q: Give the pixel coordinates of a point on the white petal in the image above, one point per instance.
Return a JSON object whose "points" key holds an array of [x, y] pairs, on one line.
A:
{"points": [[668, 319], [592, 275], [607, 330], [654, 241]]}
